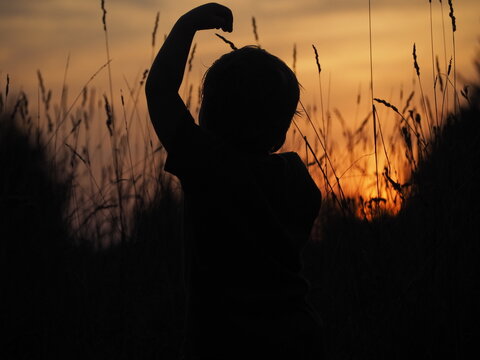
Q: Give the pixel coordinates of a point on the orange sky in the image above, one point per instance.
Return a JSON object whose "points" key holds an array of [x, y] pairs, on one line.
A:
{"points": [[41, 35]]}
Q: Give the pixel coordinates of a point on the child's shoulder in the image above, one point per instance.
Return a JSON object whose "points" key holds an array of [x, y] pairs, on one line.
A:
{"points": [[290, 156], [292, 160], [286, 165]]}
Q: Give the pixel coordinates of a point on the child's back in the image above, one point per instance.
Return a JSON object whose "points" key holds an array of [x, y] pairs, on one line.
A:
{"points": [[249, 218]]}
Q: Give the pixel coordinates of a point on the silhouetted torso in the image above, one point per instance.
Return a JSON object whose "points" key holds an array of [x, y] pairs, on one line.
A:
{"points": [[249, 217]]}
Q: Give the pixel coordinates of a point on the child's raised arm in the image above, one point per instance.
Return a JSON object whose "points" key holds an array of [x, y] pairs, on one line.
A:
{"points": [[165, 106]]}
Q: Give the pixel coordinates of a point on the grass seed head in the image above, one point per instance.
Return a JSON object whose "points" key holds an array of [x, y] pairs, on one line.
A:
{"points": [[104, 15], [316, 59], [7, 87], [387, 104], [144, 77], [192, 56], [439, 76], [452, 16], [155, 28], [108, 112], [231, 44], [415, 63], [254, 26]]}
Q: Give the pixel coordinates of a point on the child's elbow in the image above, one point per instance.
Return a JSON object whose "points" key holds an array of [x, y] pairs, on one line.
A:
{"points": [[149, 87], [155, 88]]}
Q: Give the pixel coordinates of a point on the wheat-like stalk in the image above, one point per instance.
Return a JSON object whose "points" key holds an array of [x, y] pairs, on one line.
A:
{"points": [[424, 103], [127, 134], [154, 34], [371, 95], [454, 29], [75, 100], [294, 63], [433, 65], [107, 47], [7, 88], [226, 41], [255, 30], [324, 126]]}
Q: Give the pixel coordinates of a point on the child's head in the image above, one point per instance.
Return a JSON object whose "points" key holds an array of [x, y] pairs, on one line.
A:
{"points": [[249, 99]]}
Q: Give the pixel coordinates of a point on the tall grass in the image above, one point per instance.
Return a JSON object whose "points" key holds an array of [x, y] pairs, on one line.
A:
{"points": [[93, 234]]}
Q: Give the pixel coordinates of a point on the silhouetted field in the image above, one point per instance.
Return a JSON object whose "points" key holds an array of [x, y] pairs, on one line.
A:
{"points": [[397, 287], [407, 286]]}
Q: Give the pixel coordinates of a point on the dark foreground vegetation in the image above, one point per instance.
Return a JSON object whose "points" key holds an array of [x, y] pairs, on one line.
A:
{"points": [[408, 286], [395, 287]]}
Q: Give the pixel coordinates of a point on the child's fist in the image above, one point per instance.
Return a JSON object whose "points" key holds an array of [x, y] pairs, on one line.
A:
{"points": [[210, 16]]}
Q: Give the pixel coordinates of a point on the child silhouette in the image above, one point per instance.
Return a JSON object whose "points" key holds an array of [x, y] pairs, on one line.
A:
{"points": [[250, 210]]}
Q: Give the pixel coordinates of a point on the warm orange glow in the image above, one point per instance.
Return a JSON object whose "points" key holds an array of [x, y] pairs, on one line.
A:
{"points": [[42, 36]]}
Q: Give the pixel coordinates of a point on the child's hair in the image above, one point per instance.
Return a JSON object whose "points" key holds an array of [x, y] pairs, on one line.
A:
{"points": [[249, 98]]}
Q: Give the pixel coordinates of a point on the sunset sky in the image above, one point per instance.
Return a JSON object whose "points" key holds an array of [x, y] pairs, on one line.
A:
{"points": [[42, 34]]}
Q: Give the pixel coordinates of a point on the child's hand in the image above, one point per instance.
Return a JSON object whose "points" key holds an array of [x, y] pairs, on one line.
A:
{"points": [[210, 16]]}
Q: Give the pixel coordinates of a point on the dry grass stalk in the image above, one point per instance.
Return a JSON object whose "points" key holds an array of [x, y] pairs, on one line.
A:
{"points": [[75, 153], [407, 124], [63, 106], [439, 76], [231, 44], [415, 62], [332, 192], [255, 30], [294, 64], [371, 94], [383, 140], [444, 59], [144, 77], [452, 16], [192, 56], [445, 89], [104, 15], [7, 88], [464, 93], [132, 174], [154, 34], [110, 122], [387, 104], [319, 68], [433, 65], [407, 103], [324, 147], [108, 112], [325, 129], [189, 97], [317, 161], [155, 28], [76, 99], [107, 47], [454, 29], [189, 67], [46, 96], [424, 103]]}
